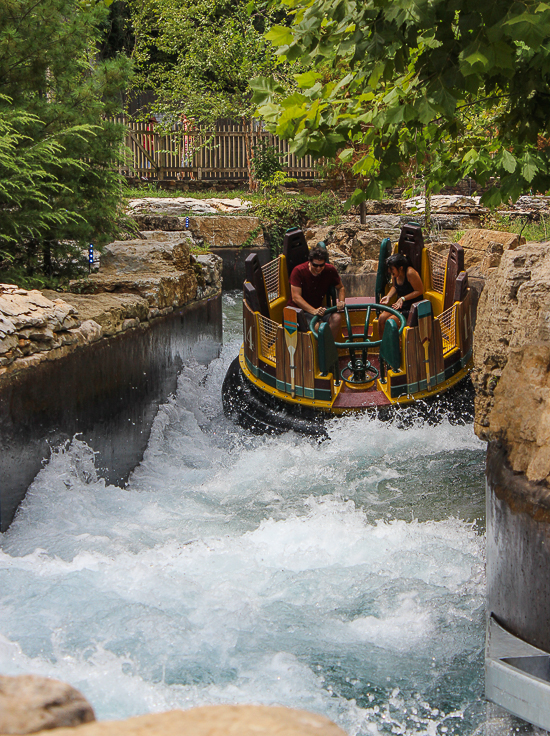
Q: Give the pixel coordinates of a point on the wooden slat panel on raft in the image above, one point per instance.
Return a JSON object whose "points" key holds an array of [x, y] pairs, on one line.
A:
{"points": [[308, 365], [299, 374], [416, 369], [464, 325], [455, 264], [250, 335], [281, 355], [437, 364], [411, 338]]}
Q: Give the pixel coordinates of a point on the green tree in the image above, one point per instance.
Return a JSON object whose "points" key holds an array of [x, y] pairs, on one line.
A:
{"points": [[59, 186], [199, 56], [436, 89]]}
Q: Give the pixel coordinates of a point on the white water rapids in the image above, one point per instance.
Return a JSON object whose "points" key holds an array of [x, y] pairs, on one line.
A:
{"points": [[345, 577]]}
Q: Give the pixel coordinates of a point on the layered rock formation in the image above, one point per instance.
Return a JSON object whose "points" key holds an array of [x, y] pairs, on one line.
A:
{"points": [[29, 703], [214, 232], [178, 206], [512, 359], [138, 281]]}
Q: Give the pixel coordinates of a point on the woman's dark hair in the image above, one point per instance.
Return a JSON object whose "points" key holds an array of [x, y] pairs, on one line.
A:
{"points": [[318, 253], [398, 260]]}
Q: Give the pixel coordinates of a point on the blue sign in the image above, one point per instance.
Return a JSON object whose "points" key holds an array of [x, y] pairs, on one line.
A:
{"points": [[186, 223], [91, 253]]}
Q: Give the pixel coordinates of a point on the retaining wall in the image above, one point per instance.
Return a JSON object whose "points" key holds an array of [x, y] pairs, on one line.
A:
{"points": [[518, 551], [108, 392]]}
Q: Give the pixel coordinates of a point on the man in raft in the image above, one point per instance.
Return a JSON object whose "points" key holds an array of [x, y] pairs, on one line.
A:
{"points": [[310, 283]]}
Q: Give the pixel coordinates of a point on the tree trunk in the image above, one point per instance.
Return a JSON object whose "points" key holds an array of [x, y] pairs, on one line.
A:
{"points": [[427, 209], [252, 183]]}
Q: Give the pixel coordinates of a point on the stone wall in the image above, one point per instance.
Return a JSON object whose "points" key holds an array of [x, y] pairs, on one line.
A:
{"points": [[512, 359]]}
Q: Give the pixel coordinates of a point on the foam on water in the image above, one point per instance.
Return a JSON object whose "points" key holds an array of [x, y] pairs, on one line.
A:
{"points": [[344, 577]]}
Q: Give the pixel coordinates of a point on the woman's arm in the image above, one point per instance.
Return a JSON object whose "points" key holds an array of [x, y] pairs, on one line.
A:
{"points": [[416, 282], [389, 296]]}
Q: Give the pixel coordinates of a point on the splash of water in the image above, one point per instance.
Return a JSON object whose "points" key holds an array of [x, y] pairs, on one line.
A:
{"points": [[346, 578]]}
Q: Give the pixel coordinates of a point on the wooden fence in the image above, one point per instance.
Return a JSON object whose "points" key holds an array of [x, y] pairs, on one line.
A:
{"points": [[187, 153]]}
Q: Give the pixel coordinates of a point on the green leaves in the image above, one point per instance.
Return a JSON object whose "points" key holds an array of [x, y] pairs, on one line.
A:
{"points": [[279, 36], [59, 155], [427, 92]]}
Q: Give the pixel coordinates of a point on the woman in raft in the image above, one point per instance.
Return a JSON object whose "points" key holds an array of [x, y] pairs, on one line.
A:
{"points": [[406, 285]]}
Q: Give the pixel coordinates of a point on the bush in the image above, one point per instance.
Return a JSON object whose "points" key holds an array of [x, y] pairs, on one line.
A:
{"points": [[280, 212]]}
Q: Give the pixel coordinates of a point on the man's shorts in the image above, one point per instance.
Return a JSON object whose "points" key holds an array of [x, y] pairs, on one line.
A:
{"points": [[309, 317]]}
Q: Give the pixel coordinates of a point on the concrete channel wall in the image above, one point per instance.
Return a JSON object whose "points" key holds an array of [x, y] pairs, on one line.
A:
{"points": [[107, 392], [518, 551]]}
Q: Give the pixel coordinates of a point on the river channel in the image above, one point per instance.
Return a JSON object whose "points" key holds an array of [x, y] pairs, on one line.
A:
{"points": [[345, 577]]}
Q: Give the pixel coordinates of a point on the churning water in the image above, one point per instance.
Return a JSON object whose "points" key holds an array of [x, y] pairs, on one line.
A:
{"points": [[345, 577]]}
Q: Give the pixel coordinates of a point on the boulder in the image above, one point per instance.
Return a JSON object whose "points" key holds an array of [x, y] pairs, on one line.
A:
{"points": [[446, 203], [226, 232], [364, 246], [217, 720], [149, 256], [31, 322], [29, 703], [211, 281], [110, 311], [483, 249], [512, 359], [158, 270]]}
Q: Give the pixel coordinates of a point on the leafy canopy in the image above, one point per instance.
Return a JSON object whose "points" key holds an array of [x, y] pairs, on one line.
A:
{"points": [[440, 88], [199, 56]]}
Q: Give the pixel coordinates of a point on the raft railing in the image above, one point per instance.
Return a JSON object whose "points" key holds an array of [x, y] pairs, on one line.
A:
{"points": [[272, 279], [438, 266], [268, 337], [447, 321]]}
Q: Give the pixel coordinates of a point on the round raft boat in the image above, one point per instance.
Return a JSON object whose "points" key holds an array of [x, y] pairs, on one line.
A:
{"points": [[288, 376]]}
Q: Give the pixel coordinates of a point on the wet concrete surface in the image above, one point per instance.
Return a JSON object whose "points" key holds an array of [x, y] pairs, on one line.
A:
{"points": [[518, 551]]}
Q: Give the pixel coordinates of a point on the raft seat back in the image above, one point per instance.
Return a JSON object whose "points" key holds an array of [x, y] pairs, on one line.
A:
{"points": [[461, 286], [295, 248], [251, 297], [327, 352], [382, 273], [455, 264], [411, 244], [390, 349], [253, 273], [412, 319], [303, 321]]}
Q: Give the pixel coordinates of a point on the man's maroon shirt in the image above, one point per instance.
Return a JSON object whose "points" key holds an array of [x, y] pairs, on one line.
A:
{"points": [[314, 288]]}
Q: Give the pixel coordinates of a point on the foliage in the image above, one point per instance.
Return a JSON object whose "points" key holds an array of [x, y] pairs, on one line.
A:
{"points": [[199, 56], [435, 91], [266, 160], [534, 227], [59, 189], [267, 167], [279, 212]]}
